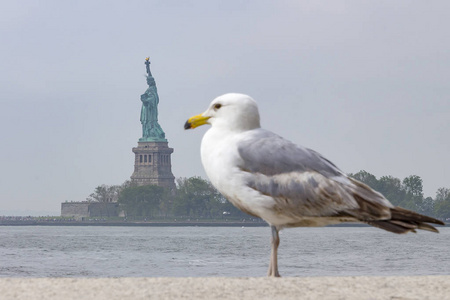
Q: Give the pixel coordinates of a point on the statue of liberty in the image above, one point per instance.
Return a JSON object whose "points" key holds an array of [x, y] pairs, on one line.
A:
{"points": [[151, 130]]}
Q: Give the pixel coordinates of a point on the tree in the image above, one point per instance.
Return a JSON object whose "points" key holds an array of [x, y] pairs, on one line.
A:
{"points": [[392, 189], [196, 197], [413, 185], [105, 193], [142, 201], [427, 207], [442, 194], [442, 203], [127, 184], [366, 178]]}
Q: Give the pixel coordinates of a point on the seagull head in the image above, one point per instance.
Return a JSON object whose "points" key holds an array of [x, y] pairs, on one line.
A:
{"points": [[237, 112]]}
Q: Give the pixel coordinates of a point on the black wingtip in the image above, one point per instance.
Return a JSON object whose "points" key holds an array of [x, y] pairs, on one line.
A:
{"points": [[187, 125]]}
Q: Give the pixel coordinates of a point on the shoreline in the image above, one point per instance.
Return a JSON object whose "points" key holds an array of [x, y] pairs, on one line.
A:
{"points": [[135, 224], [364, 287], [155, 224], [161, 224]]}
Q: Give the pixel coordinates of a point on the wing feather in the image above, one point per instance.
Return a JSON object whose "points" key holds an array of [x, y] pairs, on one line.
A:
{"points": [[270, 154], [303, 182]]}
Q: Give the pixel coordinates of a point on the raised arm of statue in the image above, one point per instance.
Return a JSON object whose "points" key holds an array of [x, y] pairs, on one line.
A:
{"points": [[147, 65]]}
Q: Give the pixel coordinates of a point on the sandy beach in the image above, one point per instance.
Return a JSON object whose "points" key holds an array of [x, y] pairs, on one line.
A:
{"points": [[370, 288]]}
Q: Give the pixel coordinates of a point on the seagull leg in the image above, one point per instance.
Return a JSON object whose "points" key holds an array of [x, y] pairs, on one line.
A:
{"points": [[273, 266]]}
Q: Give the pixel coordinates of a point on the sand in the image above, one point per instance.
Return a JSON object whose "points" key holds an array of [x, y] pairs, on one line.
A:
{"points": [[370, 288]]}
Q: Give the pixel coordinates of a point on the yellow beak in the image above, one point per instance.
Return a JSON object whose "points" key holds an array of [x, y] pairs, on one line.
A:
{"points": [[196, 121]]}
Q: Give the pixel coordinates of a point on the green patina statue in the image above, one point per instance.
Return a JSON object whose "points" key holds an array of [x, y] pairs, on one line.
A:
{"points": [[151, 130]]}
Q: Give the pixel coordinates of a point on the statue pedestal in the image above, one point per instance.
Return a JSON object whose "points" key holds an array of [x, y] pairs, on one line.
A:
{"points": [[152, 165]]}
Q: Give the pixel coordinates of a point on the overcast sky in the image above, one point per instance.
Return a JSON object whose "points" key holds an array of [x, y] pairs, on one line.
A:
{"points": [[365, 83]]}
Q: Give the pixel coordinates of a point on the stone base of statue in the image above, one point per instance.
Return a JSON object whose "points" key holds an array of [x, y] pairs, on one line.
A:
{"points": [[152, 165]]}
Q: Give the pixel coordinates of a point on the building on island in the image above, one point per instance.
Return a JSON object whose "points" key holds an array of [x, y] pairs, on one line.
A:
{"points": [[85, 209]]}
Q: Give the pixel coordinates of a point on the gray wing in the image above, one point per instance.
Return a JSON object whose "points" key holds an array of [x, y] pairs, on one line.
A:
{"points": [[303, 182], [270, 154]]}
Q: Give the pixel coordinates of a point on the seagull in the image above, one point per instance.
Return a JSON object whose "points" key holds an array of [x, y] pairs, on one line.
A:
{"points": [[285, 184]]}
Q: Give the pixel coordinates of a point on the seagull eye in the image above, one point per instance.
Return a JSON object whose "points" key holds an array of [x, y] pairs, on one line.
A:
{"points": [[217, 106]]}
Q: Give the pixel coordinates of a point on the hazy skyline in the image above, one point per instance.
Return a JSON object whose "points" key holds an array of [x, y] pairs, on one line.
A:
{"points": [[365, 83]]}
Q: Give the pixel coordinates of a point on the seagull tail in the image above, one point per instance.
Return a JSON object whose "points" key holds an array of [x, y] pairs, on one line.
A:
{"points": [[403, 221], [374, 209]]}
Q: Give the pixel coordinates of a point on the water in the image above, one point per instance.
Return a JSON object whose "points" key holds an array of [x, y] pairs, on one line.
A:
{"points": [[35, 251]]}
